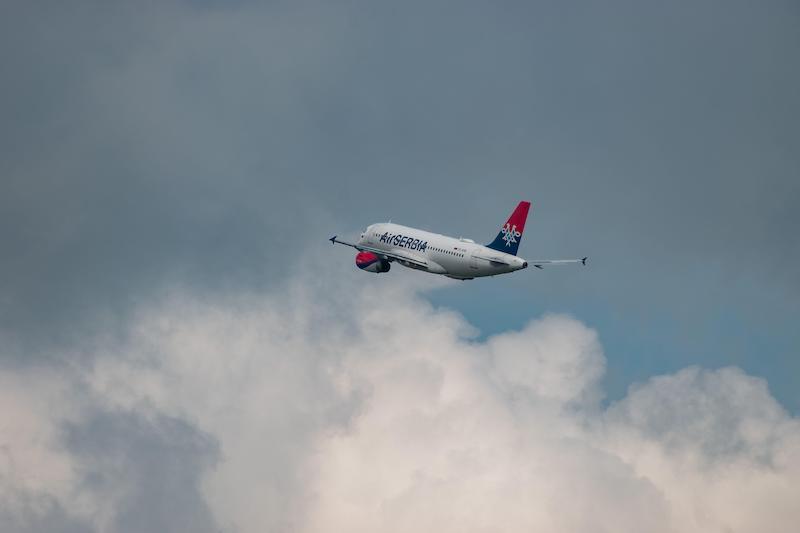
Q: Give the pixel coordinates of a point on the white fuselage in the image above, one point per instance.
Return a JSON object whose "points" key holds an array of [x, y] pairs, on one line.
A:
{"points": [[455, 258]]}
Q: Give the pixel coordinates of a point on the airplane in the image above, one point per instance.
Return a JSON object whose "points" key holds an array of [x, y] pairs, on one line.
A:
{"points": [[384, 243]]}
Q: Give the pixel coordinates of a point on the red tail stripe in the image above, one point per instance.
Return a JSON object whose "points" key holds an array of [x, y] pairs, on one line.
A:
{"points": [[519, 216]]}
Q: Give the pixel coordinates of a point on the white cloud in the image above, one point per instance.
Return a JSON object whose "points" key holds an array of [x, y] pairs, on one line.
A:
{"points": [[37, 478], [364, 409]]}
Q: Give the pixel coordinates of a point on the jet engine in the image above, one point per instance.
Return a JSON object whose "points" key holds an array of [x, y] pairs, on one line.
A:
{"points": [[371, 262]]}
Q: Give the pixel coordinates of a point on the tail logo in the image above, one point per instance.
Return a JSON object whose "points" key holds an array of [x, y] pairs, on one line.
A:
{"points": [[510, 233]]}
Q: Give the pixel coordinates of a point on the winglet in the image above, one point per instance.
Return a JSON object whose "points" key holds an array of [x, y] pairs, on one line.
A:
{"points": [[584, 260], [333, 239]]}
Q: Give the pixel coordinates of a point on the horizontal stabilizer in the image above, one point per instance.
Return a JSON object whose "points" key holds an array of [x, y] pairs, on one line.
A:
{"points": [[547, 262]]}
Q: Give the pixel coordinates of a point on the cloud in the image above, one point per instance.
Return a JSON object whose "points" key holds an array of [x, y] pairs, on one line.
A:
{"points": [[360, 408], [36, 476], [716, 443], [142, 471]]}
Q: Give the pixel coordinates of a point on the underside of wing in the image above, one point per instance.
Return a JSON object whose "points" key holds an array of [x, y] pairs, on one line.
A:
{"points": [[397, 255], [406, 258]]}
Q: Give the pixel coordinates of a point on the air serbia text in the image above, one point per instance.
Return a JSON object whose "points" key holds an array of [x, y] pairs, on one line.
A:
{"points": [[404, 241]]}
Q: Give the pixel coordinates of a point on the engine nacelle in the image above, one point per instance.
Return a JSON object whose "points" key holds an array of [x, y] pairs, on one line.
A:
{"points": [[371, 262]]}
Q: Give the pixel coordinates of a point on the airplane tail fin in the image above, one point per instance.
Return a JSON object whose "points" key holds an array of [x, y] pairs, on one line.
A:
{"points": [[511, 233]]}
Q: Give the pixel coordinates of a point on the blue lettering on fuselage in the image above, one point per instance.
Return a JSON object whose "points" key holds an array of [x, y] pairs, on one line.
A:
{"points": [[404, 241]]}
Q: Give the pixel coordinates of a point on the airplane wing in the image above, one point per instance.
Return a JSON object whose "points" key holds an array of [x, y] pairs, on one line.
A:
{"points": [[547, 262], [334, 240], [396, 255]]}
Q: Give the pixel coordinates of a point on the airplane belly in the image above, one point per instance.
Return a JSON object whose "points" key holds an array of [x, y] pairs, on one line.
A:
{"points": [[461, 268]]}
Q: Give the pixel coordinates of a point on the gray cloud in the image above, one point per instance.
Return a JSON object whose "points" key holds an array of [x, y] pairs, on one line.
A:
{"points": [[147, 469], [25, 513]]}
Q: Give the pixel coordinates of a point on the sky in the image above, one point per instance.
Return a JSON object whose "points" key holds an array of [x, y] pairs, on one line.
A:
{"points": [[181, 348]]}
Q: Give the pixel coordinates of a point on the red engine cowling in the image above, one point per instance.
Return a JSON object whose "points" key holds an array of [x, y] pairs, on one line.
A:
{"points": [[371, 262]]}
